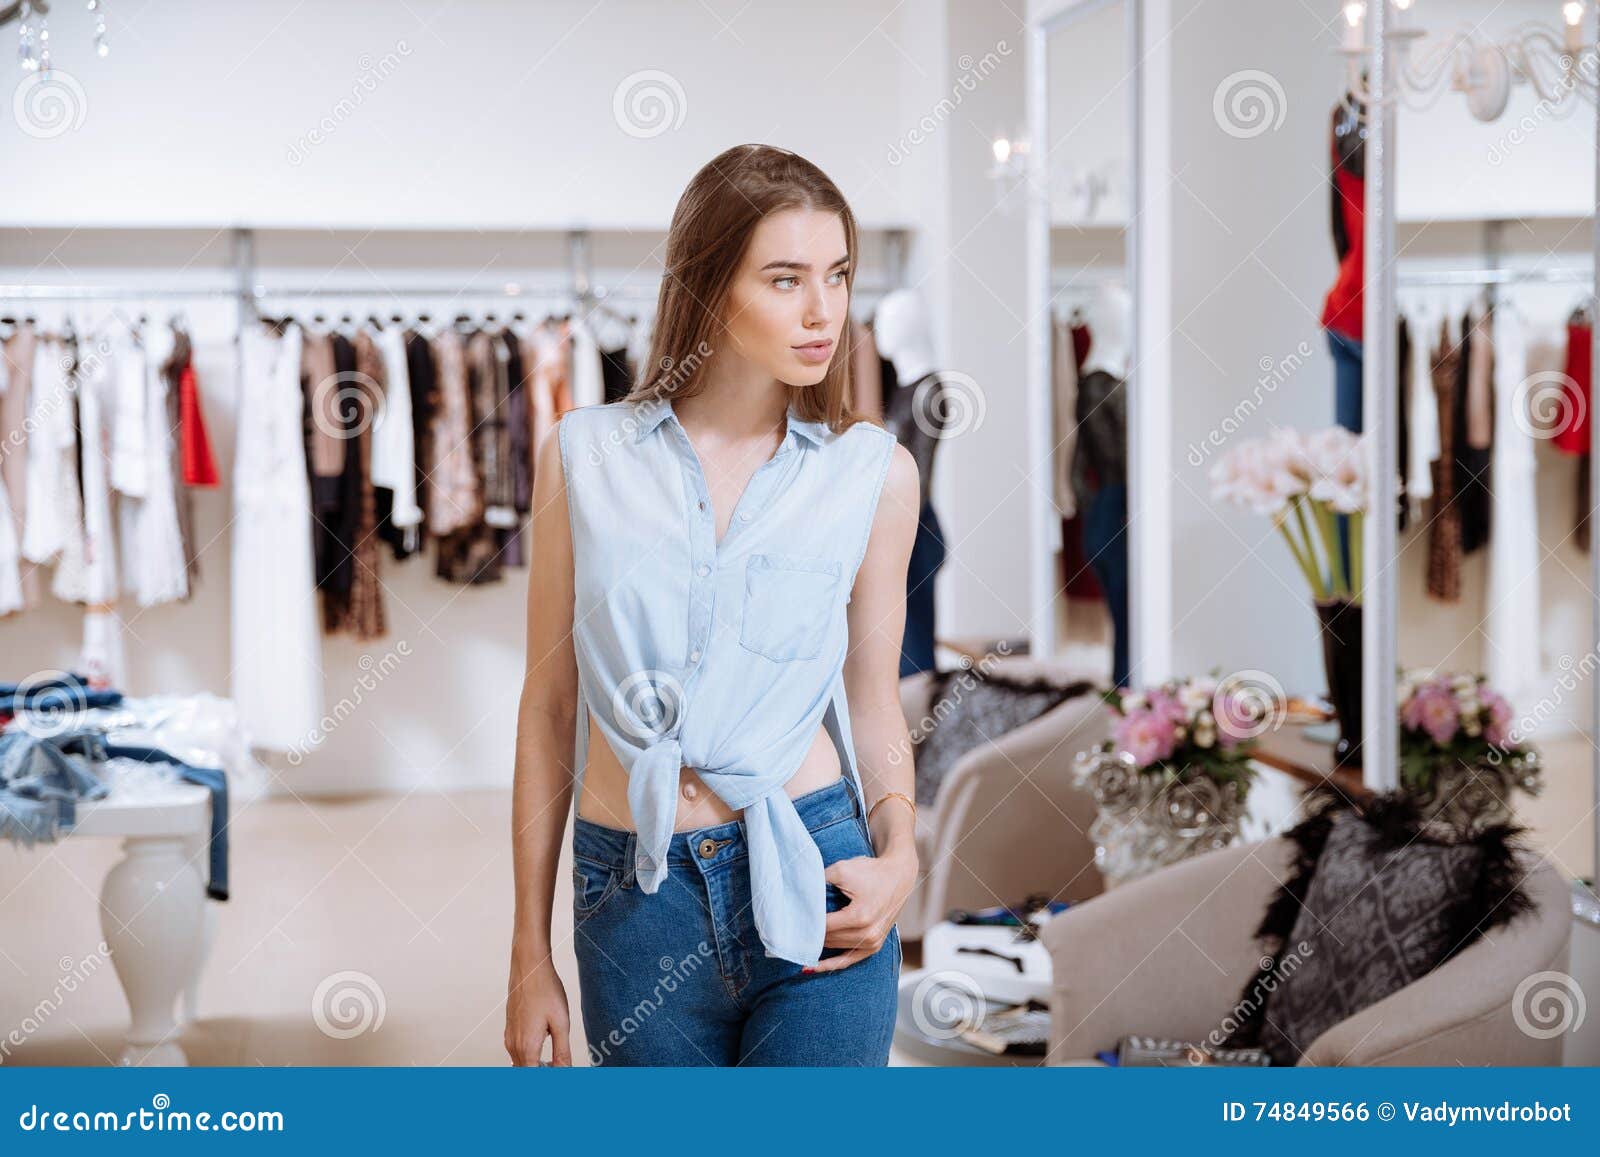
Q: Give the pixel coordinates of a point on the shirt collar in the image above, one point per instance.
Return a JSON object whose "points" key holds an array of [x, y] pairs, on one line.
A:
{"points": [[652, 412]]}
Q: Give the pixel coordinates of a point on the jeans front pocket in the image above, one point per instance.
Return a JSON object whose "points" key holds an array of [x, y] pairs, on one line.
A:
{"points": [[593, 883], [788, 602]]}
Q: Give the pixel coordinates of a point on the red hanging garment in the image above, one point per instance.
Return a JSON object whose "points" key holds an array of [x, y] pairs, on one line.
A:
{"points": [[199, 467], [1573, 436]]}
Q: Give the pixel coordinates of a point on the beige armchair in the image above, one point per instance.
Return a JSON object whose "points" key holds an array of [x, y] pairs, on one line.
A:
{"points": [[1008, 820], [1168, 955]]}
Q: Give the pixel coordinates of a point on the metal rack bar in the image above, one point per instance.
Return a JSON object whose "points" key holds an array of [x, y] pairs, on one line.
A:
{"points": [[1563, 276]]}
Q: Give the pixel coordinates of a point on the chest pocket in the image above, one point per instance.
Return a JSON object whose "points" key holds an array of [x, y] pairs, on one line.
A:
{"points": [[789, 601]]}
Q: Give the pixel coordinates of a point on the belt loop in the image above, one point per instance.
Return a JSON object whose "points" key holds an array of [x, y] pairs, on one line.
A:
{"points": [[629, 850]]}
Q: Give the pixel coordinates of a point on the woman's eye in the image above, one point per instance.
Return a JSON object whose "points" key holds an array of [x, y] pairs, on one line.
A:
{"points": [[780, 281], [840, 275]]}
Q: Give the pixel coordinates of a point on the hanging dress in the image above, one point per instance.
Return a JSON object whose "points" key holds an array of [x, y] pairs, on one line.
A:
{"points": [[276, 654]]}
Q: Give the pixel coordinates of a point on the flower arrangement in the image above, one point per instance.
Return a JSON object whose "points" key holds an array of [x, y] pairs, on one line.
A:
{"points": [[1303, 481], [1451, 722], [1186, 726], [1171, 780]]}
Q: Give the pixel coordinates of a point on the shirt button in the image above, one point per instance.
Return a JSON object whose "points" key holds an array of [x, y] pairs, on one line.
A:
{"points": [[694, 655], [708, 848], [704, 570], [744, 516]]}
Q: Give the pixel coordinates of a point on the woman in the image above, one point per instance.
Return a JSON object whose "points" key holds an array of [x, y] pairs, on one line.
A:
{"points": [[715, 613]]}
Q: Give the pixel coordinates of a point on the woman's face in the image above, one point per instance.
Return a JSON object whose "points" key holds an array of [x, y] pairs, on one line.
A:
{"points": [[789, 299]]}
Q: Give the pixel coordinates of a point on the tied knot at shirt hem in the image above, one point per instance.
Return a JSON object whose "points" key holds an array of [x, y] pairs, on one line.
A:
{"points": [[787, 888]]}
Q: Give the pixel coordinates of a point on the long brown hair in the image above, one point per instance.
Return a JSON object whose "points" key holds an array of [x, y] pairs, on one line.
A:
{"points": [[711, 230]]}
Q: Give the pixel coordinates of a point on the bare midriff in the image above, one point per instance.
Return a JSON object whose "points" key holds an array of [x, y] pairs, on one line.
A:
{"points": [[604, 799]]}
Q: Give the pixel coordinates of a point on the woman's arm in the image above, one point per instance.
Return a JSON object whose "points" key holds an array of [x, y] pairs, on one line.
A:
{"points": [[878, 887], [536, 1004]]}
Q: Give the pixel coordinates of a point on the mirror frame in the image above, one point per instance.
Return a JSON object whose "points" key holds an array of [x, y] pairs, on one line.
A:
{"points": [[1146, 556]]}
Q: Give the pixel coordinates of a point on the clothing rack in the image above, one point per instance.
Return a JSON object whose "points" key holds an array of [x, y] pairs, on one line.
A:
{"points": [[1562, 276]]}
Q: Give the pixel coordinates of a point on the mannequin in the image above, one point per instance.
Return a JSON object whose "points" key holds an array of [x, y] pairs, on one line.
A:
{"points": [[1099, 462], [901, 330], [1107, 317], [914, 410]]}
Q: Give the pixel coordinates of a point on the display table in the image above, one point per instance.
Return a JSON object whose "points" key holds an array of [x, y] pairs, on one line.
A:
{"points": [[154, 915], [968, 971]]}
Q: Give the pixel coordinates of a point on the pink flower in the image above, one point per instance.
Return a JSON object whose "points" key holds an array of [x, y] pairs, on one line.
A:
{"points": [[1146, 735], [1432, 709], [1499, 717], [1167, 706]]}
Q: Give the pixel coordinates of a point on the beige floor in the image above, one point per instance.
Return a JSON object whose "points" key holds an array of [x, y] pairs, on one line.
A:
{"points": [[412, 895]]}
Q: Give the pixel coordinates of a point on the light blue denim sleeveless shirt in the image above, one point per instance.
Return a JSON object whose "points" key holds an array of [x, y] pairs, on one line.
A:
{"points": [[723, 657]]}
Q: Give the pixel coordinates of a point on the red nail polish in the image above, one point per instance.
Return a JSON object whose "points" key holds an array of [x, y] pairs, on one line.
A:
{"points": [[807, 971]]}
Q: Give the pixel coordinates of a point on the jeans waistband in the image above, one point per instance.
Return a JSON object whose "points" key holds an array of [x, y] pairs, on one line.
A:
{"points": [[614, 846]]}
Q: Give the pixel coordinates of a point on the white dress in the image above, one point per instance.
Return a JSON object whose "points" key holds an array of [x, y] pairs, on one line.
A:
{"points": [[95, 580], [394, 453], [10, 549], [277, 672], [155, 569], [1512, 621], [52, 481]]}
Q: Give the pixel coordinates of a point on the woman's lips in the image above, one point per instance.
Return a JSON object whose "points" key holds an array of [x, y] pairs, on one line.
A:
{"points": [[814, 352]]}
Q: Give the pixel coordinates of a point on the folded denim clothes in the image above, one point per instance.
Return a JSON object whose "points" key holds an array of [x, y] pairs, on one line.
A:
{"points": [[40, 786]]}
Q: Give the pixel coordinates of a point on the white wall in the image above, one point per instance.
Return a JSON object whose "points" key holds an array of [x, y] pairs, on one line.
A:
{"points": [[476, 114], [1250, 258]]}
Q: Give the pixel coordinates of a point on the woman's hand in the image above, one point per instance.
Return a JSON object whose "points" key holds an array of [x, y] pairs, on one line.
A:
{"points": [[878, 887], [536, 1007]]}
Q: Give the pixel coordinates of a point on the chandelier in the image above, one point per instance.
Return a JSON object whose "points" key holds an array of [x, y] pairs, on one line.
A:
{"points": [[33, 30], [1559, 63]]}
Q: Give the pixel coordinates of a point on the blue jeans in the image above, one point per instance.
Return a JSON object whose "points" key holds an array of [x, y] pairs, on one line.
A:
{"points": [[1105, 542], [681, 978], [927, 556], [1347, 398]]}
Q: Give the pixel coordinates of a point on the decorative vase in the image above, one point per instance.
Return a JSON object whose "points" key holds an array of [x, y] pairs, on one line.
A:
{"points": [[1340, 621], [1148, 820], [1461, 801]]}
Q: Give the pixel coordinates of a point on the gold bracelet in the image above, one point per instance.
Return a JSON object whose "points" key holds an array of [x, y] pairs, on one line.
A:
{"points": [[894, 795]]}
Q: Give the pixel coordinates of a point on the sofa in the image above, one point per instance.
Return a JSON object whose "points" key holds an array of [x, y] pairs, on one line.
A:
{"points": [[1008, 820], [1168, 955]]}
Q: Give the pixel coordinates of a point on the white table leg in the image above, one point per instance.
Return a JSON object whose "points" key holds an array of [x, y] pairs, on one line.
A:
{"points": [[196, 848], [152, 916]]}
